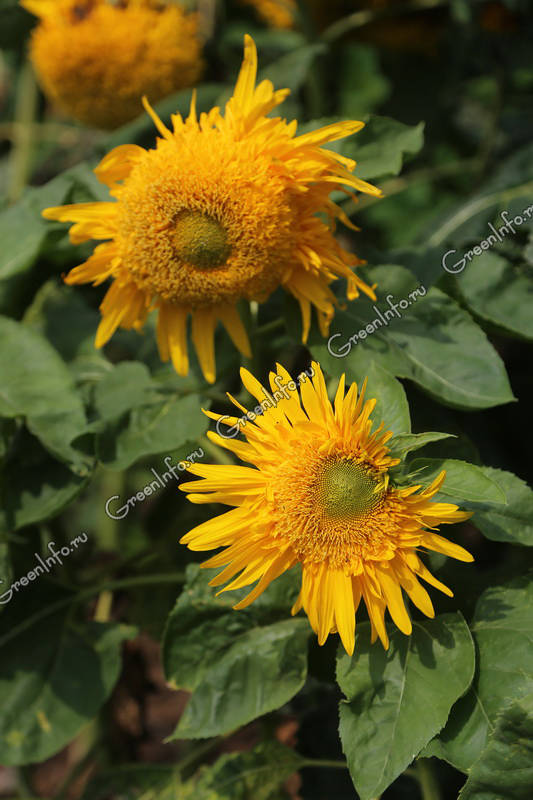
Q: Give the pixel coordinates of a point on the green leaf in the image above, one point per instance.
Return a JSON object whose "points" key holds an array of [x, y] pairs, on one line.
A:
{"points": [[34, 486], [163, 426], [432, 341], [499, 292], [38, 386], [391, 408], [271, 40], [204, 623], [512, 522], [243, 776], [503, 632], [260, 672], [24, 233], [239, 664], [53, 679], [291, 70], [508, 190], [397, 700], [128, 385], [407, 442], [362, 85], [463, 481], [63, 317], [256, 774], [381, 147], [505, 768], [135, 781]]}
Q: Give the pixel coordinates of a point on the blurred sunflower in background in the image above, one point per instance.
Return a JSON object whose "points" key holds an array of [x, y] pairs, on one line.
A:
{"points": [[276, 13], [95, 58], [319, 494], [224, 208]]}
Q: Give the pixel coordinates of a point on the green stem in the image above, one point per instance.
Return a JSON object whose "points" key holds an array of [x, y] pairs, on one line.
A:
{"points": [[475, 206], [305, 20], [269, 327], [87, 594], [21, 153], [112, 484], [198, 752], [428, 783], [104, 606]]}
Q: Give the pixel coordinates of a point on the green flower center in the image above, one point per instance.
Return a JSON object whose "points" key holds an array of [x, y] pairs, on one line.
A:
{"points": [[200, 240], [348, 490]]}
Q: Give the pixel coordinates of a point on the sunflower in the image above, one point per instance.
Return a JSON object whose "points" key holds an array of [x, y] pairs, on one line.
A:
{"points": [[276, 13], [318, 493], [95, 59], [224, 208]]}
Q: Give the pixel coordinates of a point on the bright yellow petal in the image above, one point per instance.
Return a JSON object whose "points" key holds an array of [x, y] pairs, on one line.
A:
{"points": [[172, 336], [232, 322], [203, 336], [435, 542]]}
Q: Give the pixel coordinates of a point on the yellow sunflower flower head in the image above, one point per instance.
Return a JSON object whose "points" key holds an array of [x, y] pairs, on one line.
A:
{"points": [[276, 13], [318, 494], [96, 58], [224, 208]]}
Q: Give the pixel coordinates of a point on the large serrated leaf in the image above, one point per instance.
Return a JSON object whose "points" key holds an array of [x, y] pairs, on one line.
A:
{"points": [[382, 145], [203, 622], [512, 522], [407, 442], [259, 672], [258, 656], [25, 234], [430, 340], [35, 486], [503, 632], [500, 292], [463, 482], [379, 148], [391, 403], [159, 427], [37, 385], [256, 775], [505, 767], [397, 700]]}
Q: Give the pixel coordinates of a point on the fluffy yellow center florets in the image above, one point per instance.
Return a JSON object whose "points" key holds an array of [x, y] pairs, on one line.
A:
{"points": [[347, 490], [333, 505], [227, 207], [203, 221], [277, 13], [317, 493], [95, 59], [200, 240]]}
